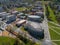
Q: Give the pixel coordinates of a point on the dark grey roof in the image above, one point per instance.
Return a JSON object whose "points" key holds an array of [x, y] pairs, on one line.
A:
{"points": [[1, 9]]}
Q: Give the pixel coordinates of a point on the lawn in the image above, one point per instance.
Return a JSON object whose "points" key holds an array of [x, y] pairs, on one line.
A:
{"points": [[57, 42], [6, 41], [52, 24], [55, 36], [56, 28], [20, 9], [51, 15], [53, 27]]}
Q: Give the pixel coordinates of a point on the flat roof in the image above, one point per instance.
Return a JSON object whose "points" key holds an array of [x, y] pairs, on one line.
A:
{"points": [[10, 15], [34, 16], [35, 25], [2, 12], [21, 21], [40, 12], [14, 11], [20, 13]]}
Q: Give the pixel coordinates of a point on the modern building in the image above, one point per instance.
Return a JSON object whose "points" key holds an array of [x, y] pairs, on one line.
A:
{"points": [[20, 23], [40, 14], [34, 18], [39, 8], [1, 9], [10, 19], [33, 26], [3, 14], [22, 16], [34, 29]]}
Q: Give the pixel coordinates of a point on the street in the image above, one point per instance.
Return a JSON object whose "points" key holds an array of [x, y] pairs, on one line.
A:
{"points": [[47, 39]]}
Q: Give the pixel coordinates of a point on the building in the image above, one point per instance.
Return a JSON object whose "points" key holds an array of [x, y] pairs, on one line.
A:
{"points": [[20, 23], [10, 19], [13, 11], [40, 14], [3, 14], [39, 8], [38, 3], [33, 26], [22, 16], [0, 19], [34, 18], [34, 29], [1, 9]]}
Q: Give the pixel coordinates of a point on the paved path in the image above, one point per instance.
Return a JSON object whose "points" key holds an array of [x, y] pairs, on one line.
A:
{"points": [[47, 39]]}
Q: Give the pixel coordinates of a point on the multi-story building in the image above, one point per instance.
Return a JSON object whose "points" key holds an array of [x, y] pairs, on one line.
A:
{"points": [[33, 26], [10, 19]]}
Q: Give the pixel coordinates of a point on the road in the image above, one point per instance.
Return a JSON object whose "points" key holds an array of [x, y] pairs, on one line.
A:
{"points": [[47, 39]]}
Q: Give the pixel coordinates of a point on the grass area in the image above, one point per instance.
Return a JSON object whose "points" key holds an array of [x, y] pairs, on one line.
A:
{"points": [[32, 44], [52, 24], [22, 28], [6, 41], [20, 9], [51, 15], [54, 35], [15, 27], [57, 28], [57, 42]]}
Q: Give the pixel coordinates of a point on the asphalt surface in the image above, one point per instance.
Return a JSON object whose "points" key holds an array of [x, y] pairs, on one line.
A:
{"points": [[47, 39]]}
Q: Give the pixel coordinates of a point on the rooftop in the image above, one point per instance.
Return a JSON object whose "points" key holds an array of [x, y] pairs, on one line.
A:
{"points": [[21, 21], [33, 16], [34, 26]]}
